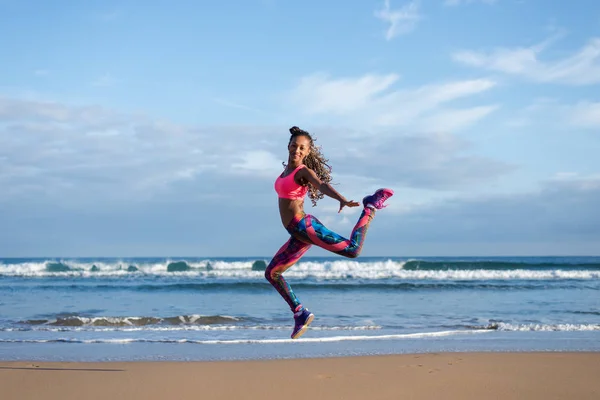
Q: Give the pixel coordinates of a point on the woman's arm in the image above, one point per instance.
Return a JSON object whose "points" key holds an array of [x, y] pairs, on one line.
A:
{"points": [[328, 190], [325, 188]]}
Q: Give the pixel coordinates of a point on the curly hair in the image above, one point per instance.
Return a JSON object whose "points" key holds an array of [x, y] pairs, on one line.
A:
{"points": [[315, 161]]}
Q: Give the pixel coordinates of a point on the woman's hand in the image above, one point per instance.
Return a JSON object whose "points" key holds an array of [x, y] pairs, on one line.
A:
{"points": [[346, 203]]}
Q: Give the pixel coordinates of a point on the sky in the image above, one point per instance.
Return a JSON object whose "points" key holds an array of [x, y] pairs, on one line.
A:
{"points": [[157, 128]]}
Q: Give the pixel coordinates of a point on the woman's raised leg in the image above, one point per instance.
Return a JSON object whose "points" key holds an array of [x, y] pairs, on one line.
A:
{"points": [[312, 230]]}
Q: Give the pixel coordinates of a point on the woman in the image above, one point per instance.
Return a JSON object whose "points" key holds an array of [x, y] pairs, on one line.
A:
{"points": [[307, 171]]}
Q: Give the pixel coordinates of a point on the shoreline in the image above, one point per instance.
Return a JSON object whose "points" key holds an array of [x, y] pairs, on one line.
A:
{"points": [[468, 375]]}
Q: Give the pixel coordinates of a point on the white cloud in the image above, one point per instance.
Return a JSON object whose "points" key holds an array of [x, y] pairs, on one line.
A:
{"points": [[557, 217], [62, 154], [580, 68], [371, 100], [401, 108], [55, 150], [16, 109], [586, 115], [549, 112], [125, 175], [260, 162], [460, 2], [401, 21], [318, 93], [455, 120], [574, 180], [425, 161]]}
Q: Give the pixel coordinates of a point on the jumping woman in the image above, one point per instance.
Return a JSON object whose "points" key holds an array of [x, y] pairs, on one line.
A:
{"points": [[307, 171]]}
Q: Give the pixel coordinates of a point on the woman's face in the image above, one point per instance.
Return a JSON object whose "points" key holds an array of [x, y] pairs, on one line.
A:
{"points": [[299, 148]]}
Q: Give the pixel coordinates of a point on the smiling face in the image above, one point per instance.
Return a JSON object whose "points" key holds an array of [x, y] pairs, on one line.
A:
{"points": [[298, 148]]}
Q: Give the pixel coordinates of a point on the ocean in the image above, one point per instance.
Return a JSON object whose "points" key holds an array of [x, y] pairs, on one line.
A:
{"points": [[185, 309]]}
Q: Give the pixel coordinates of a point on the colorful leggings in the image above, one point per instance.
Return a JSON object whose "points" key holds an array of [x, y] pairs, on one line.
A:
{"points": [[306, 230]]}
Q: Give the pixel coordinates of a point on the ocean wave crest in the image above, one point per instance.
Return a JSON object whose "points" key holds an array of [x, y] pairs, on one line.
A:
{"points": [[253, 271], [507, 327], [75, 320]]}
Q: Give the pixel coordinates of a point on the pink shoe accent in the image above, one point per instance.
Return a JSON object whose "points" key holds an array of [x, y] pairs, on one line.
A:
{"points": [[377, 199]]}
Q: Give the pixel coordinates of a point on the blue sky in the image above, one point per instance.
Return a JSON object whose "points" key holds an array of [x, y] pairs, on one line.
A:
{"points": [[153, 129]]}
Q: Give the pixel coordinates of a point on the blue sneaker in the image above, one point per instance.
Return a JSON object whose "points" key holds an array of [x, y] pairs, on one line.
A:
{"points": [[377, 199], [303, 318]]}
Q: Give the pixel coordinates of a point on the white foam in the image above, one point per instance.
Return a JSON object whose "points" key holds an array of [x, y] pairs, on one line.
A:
{"points": [[322, 271], [501, 326], [347, 338], [421, 335], [46, 328]]}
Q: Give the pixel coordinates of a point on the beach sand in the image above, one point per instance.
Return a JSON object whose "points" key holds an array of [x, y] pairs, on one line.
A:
{"points": [[411, 376]]}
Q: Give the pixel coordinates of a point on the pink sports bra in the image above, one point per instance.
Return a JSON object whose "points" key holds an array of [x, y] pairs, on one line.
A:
{"points": [[287, 188]]}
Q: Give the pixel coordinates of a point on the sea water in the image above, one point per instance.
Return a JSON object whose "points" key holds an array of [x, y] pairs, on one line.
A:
{"points": [[118, 309]]}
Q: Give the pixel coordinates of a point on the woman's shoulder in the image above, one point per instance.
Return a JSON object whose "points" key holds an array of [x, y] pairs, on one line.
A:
{"points": [[305, 173], [302, 168]]}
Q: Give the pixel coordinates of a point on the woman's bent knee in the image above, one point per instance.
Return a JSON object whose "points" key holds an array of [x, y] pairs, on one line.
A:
{"points": [[271, 274], [349, 254]]}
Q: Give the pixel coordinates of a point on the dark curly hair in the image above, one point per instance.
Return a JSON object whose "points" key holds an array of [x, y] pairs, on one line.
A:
{"points": [[315, 161]]}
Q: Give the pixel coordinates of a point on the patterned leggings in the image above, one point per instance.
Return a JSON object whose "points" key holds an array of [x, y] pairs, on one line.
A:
{"points": [[306, 230]]}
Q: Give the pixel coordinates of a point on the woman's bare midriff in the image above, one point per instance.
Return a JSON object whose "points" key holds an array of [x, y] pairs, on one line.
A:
{"points": [[289, 208]]}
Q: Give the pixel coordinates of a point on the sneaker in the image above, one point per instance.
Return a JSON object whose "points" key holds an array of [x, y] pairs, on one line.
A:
{"points": [[303, 318], [377, 199]]}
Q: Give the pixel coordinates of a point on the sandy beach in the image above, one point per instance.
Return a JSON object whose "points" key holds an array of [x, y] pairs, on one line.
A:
{"points": [[412, 376]]}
